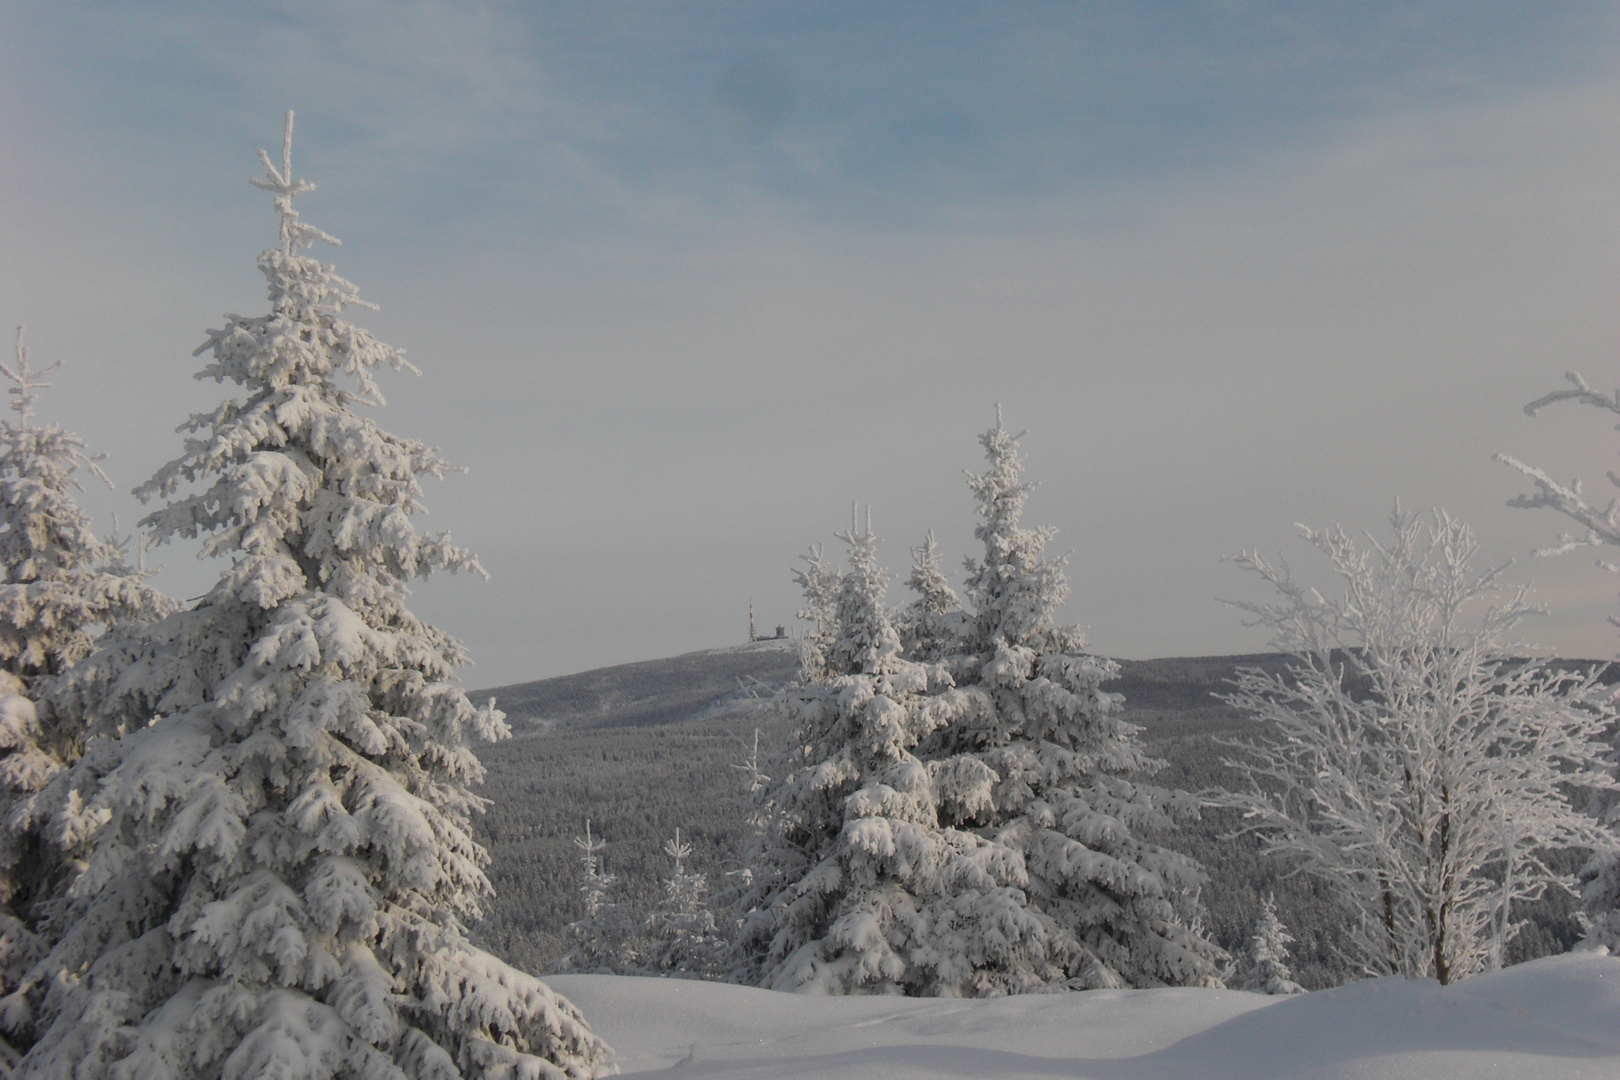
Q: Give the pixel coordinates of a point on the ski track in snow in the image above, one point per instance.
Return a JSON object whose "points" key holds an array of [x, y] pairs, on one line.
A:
{"points": [[1557, 1018]]}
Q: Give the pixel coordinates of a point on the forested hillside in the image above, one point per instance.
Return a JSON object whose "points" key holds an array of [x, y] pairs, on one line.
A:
{"points": [[642, 749]]}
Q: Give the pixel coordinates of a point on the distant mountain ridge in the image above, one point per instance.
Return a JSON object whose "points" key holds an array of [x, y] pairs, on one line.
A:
{"points": [[647, 692], [669, 690]]}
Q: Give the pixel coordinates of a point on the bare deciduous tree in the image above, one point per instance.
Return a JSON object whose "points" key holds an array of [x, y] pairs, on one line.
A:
{"points": [[1421, 767]]}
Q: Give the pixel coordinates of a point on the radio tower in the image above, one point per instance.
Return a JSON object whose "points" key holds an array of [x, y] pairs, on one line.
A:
{"points": [[751, 636]]}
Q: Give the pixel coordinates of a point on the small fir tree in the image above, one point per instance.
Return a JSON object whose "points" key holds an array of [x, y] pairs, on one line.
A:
{"points": [[1266, 971], [821, 584], [931, 624], [770, 860], [278, 855], [1036, 760], [857, 888], [685, 938], [602, 938]]}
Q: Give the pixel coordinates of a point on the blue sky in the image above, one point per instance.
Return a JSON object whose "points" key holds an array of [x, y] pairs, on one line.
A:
{"points": [[889, 115], [685, 279]]}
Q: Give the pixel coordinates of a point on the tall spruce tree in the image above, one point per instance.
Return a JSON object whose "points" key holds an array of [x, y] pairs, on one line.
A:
{"points": [[1116, 908], [856, 887], [275, 823]]}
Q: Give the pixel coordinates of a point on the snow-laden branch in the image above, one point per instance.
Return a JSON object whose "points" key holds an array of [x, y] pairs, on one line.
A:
{"points": [[1602, 526]]}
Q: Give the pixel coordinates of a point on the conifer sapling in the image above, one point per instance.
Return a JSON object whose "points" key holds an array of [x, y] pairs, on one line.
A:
{"points": [[685, 937], [1267, 971], [1599, 884], [603, 944], [931, 624]]}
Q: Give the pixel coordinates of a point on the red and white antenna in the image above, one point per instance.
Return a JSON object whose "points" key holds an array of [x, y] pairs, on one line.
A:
{"points": [[751, 636]]}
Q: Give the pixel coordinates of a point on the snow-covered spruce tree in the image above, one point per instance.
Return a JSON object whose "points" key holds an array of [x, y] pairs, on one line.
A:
{"points": [[1117, 910], [856, 887], [1266, 965], [63, 585], [279, 855], [603, 944], [769, 860], [684, 936], [930, 625], [62, 588], [1419, 767], [821, 584]]}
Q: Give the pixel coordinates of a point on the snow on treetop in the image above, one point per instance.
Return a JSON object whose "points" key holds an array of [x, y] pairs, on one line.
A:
{"points": [[22, 395]]}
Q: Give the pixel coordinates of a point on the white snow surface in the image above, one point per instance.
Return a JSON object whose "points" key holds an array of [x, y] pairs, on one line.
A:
{"points": [[1557, 1018]]}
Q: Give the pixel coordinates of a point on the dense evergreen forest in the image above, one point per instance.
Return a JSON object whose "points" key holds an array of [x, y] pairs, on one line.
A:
{"points": [[643, 749]]}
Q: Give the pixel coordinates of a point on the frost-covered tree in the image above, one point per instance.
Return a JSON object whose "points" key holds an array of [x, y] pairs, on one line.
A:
{"points": [[62, 588], [856, 886], [684, 936], [275, 819], [1419, 767], [931, 624], [603, 939], [768, 861], [821, 583], [1600, 528], [63, 585], [1036, 761], [1266, 969]]}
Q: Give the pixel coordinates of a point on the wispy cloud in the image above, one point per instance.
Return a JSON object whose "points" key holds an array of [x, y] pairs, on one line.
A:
{"points": [[886, 113]]}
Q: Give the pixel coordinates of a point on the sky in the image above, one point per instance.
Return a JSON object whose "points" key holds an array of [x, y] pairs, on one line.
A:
{"points": [[684, 281]]}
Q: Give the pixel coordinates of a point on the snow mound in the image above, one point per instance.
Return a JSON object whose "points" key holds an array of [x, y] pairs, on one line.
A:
{"points": [[1553, 1019]]}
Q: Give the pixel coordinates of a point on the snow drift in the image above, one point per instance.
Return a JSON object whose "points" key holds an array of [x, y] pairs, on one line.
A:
{"points": [[1554, 1019]]}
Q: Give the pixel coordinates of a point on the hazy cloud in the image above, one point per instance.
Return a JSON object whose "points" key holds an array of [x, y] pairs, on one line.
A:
{"points": [[1243, 266]]}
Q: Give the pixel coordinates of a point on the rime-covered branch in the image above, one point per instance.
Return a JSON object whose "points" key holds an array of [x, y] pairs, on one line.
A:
{"points": [[1417, 766]]}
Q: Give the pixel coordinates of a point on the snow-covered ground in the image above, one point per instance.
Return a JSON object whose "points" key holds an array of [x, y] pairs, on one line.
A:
{"points": [[1552, 1019]]}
